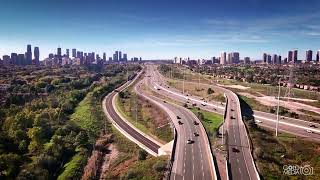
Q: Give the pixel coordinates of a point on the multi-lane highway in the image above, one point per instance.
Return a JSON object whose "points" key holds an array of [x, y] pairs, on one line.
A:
{"points": [[124, 127], [194, 160], [240, 159]]}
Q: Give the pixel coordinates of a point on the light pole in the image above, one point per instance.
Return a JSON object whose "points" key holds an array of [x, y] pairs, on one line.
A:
{"points": [[277, 124], [183, 83]]}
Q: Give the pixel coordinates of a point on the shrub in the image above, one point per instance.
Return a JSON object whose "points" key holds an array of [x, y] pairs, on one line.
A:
{"points": [[159, 166], [142, 154]]}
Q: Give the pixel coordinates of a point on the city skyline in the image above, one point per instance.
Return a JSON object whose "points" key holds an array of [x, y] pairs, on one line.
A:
{"points": [[162, 30]]}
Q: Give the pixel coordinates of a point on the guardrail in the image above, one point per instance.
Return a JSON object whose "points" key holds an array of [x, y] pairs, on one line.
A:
{"points": [[173, 152]]}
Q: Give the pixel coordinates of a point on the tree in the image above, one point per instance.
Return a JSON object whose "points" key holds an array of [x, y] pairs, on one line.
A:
{"points": [[142, 154], [159, 166], [210, 91]]}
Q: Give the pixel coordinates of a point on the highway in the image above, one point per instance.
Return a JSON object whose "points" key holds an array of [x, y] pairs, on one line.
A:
{"points": [[124, 127], [191, 161], [240, 158], [289, 125]]}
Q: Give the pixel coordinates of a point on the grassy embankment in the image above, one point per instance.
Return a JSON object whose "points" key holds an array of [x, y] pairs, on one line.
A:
{"points": [[272, 153]]}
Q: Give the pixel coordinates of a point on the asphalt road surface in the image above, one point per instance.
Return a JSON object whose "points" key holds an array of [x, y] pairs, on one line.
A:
{"points": [[191, 161]]}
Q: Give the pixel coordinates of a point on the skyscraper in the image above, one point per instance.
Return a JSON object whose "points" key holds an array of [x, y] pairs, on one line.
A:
{"points": [[104, 57], [318, 56], [279, 59], [247, 60], [264, 58], [309, 55], [235, 57], [223, 58], [274, 59], [28, 55], [120, 56], [59, 56], [125, 57], [67, 52], [14, 58], [269, 60], [116, 57], [74, 53], [290, 54], [295, 56], [36, 55]]}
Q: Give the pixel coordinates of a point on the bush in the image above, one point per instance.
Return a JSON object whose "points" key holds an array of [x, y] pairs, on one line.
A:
{"points": [[142, 154], [210, 91], [159, 166]]}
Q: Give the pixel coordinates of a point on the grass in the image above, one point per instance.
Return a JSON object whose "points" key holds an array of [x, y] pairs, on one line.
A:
{"points": [[211, 121], [256, 105], [74, 167], [271, 153], [145, 169], [133, 106], [311, 113]]}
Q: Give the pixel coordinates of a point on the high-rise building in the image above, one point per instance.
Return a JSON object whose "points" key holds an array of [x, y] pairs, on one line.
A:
{"points": [[36, 55], [274, 59], [279, 59], [264, 58], [285, 61], [120, 56], [74, 53], [223, 58], [247, 60], [125, 57], [59, 55], [290, 55], [21, 59], [67, 53], [235, 57], [104, 57], [6, 60], [116, 56], [295, 56], [309, 55], [28, 55], [14, 58], [51, 56], [318, 56], [269, 60]]}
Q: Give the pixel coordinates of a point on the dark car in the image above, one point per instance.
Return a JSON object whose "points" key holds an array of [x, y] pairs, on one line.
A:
{"points": [[178, 117], [179, 122], [235, 150], [164, 101], [195, 123], [189, 141], [232, 109], [196, 134], [232, 117], [312, 125]]}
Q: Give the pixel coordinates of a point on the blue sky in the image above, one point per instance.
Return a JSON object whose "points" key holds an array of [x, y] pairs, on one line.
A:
{"points": [[161, 28]]}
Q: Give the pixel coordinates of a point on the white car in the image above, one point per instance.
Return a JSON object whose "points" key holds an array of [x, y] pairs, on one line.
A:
{"points": [[309, 131], [258, 121]]}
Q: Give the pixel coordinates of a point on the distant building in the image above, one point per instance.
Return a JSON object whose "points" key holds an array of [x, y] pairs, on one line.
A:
{"points": [[290, 55], [279, 60], [104, 57], [247, 60], [120, 56], [36, 56], [14, 59], [318, 56], [295, 56], [6, 60], [28, 55], [67, 53], [223, 58], [116, 57], [309, 55], [274, 59], [21, 59], [264, 58], [74, 53], [125, 57], [269, 59]]}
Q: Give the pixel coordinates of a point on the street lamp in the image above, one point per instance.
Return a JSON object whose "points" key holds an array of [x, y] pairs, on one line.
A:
{"points": [[277, 123]]}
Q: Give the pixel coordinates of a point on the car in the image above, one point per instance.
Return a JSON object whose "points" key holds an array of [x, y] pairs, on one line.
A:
{"points": [[236, 150], [195, 123], [203, 104], [189, 141], [312, 125], [232, 109], [116, 90], [179, 122], [196, 134], [164, 101], [202, 98], [258, 121], [309, 131], [178, 117], [214, 109], [187, 94], [232, 117]]}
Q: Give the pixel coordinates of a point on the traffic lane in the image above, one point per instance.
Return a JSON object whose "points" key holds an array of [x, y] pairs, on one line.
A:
{"points": [[302, 133], [123, 125]]}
